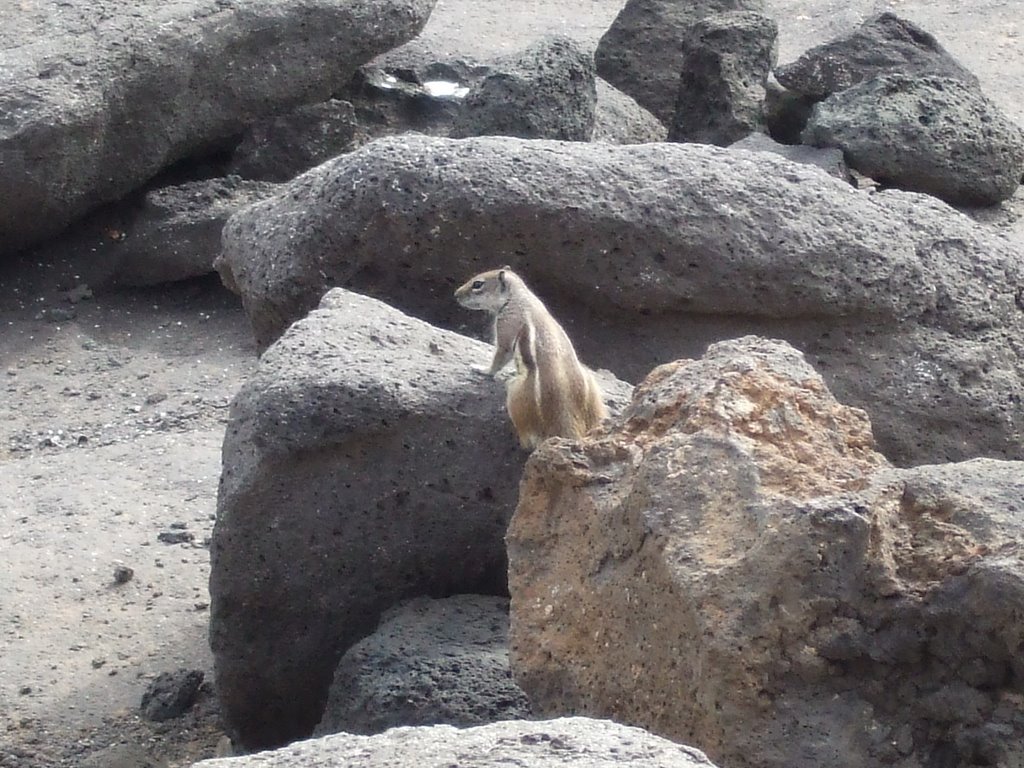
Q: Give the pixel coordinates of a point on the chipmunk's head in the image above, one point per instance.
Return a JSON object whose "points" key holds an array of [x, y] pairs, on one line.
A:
{"points": [[488, 290]]}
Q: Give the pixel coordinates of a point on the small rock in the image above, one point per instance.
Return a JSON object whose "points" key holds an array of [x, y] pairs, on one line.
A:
{"points": [[224, 747], [156, 397], [25, 690], [120, 756], [171, 694], [175, 537], [56, 315], [78, 293], [123, 574]]}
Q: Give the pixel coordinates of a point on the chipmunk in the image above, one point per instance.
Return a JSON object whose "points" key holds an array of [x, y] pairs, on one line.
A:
{"points": [[552, 393]]}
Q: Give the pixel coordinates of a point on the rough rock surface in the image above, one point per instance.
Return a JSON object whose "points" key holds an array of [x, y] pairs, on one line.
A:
{"points": [[726, 61], [281, 147], [735, 566], [829, 160], [911, 310], [559, 743], [396, 101], [96, 100], [882, 44], [312, 541], [545, 92], [928, 134], [640, 54], [168, 233], [303, 516], [171, 694], [619, 119], [428, 662], [176, 232]]}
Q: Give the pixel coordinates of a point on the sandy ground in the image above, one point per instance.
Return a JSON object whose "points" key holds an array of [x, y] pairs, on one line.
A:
{"points": [[113, 410], [113, 420]]}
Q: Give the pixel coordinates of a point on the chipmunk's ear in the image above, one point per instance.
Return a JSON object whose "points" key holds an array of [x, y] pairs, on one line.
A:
{"points": [[501, 276]]}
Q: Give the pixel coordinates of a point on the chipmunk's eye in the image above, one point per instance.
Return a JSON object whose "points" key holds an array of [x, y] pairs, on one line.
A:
{"points": [[478, 284]]}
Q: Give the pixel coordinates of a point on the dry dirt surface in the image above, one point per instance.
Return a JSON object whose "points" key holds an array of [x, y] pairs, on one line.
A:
{"points": [[113, 408]]}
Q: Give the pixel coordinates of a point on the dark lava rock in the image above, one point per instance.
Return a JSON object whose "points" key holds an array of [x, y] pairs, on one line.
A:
{"points": [[172, 694]]}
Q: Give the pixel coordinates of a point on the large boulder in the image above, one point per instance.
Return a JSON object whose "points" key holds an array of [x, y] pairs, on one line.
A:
{"points": [[912, 311], [544, 92], [726, 61], [364, 463], [734, 566], [883, 44], [924, 133], [570, 742], [313, 540], [641, 55], [429, 662], [96, 102]]}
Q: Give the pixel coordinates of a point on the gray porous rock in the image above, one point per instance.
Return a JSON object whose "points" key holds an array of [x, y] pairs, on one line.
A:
{"points": [[647, 253], [428, 662], [726, 61], [619, 119], [364, 463], [929, 134], [171, 694], [568, 742], [884, 43], [97, 96], [175, 234], [279, 148], [401, 99], [829, 160], [168, 233], [734, 565], [545, 92], [640, 54]]}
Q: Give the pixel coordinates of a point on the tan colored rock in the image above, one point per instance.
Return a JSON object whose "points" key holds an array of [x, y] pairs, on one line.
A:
{"points": [[735, 567]]}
